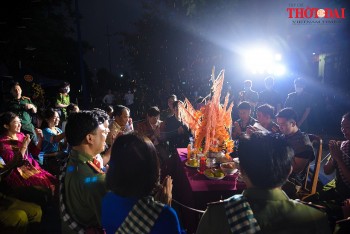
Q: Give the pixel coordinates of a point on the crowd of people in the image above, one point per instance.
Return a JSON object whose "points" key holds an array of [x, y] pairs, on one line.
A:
{"points": [[115, 174]]}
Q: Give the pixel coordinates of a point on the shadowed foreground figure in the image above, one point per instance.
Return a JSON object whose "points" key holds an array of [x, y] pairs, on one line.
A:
{"points": [[265, 164]]}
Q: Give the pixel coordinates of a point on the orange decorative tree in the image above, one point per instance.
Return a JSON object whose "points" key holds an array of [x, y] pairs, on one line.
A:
{"points": [[211, 124]]}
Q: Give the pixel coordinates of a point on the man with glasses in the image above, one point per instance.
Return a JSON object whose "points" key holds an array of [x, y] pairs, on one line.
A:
{"points": [[84, 182]]}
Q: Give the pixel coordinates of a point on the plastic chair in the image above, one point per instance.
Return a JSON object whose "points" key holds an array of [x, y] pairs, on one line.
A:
{"points": [[311, 179]]}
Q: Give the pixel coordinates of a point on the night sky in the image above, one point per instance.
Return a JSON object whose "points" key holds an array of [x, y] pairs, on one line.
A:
{"points": [[119, 15]]}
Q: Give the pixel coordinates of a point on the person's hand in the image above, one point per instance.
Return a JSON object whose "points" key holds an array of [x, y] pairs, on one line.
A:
{"points": [[334, 148], [39, 133], [26, 141], [164, 194], [29, 106], [251, 129]]}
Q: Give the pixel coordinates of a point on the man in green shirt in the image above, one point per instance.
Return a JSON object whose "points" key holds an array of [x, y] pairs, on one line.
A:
{"points": [[265, 164], [84, 182], [23, 107]]}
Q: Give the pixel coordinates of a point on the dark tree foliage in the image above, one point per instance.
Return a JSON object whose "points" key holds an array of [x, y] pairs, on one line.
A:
{"points": [[39, 37]]}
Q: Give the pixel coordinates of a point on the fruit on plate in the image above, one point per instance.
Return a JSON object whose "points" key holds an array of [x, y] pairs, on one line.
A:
{"points": [[214, 173], [193, 162], [219, 173]]}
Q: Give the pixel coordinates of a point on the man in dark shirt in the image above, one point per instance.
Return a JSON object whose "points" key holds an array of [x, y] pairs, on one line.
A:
{"points": [[300, 143], [300, 101], [269, 95]]}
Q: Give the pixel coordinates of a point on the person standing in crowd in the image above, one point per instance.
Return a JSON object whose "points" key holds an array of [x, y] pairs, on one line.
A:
{"points": [[269, 95], [249, 95], [83, 183], [175, 132], [170, 110], [300, 101], [137, 203], [109, 98], [300, 143], [265, 162], [245, 120], [23, 107], [122, 123], [63, 100]]}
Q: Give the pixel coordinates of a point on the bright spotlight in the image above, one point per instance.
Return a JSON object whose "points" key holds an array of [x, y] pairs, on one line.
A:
{"points": [[279, 70], [278, 57], [262, 60]]}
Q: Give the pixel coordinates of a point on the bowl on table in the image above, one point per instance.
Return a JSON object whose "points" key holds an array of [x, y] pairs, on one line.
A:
{"points": [[229, 168]]}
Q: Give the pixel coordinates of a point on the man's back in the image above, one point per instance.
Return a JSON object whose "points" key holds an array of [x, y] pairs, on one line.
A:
{"points": [[274, 212]]}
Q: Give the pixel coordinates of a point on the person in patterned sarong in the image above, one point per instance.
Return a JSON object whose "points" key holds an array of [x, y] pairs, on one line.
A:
{"points": [[265, 162], [133, 178], [15, 146]]}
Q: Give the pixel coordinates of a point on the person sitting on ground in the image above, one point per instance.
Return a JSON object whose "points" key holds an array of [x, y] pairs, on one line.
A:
{"points": [[300, 143], [130, 207], [264, 116], [245, 120], [83, 182], [28, 174], [122, 123], [265, 162]]}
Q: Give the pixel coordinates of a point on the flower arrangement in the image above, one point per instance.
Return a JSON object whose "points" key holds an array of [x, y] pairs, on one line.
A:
{"points": [[211, 124]]}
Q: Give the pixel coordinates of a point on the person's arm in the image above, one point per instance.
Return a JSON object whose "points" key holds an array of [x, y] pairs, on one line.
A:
{"points": [[304, 117], [59, 102], [336, 153], [299, 164], [329, 167], [236, 131]]}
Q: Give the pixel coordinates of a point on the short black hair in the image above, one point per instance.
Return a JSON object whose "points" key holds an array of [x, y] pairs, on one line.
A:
{"points": [[288, 113], [13, 84], [6, 118], [153, 111], [244, 106], [346, 116], [172, 96], [48, 113], [266, 109], [118, 110], [265, 158], [81, 124], [133, 167], [71, 107]]}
